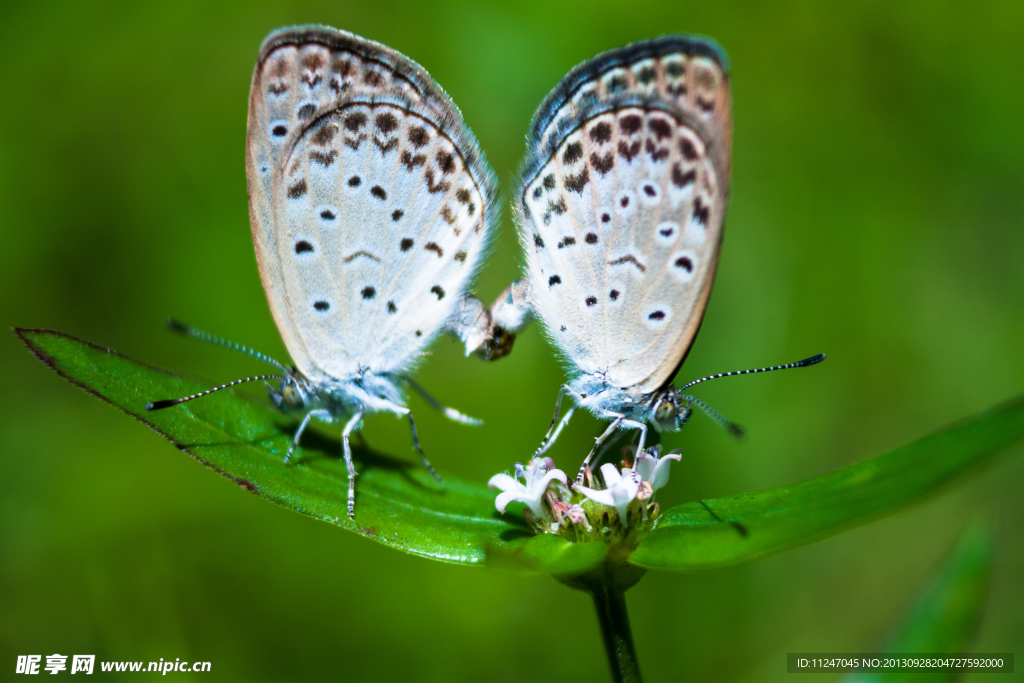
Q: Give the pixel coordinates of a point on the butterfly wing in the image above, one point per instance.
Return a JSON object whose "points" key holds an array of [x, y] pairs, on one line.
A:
{"points": [[622, 205], [370, 201]]}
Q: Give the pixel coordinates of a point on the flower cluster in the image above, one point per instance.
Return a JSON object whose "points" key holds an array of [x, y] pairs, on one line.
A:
{"points": [[555, 506]]}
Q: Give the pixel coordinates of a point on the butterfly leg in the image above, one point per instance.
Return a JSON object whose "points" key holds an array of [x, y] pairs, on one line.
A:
{"points": [[450, 413], [618, 421], [302, 427], [347, 450], [419, 449], [561, 425], [549, 438]]}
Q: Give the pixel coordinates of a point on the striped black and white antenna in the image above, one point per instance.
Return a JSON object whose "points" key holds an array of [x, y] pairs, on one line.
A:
{"points": [[167, 403], [737, 430], [189, 331], [799, 364]]}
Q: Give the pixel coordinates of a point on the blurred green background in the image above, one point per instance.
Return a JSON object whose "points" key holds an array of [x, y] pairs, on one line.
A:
{"points": [[877, 214]]}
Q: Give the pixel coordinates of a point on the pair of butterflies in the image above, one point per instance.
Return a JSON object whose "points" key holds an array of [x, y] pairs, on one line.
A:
{"points": [[372, 205]]}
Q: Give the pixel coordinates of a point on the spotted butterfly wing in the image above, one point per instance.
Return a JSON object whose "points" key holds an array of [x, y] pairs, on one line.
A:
{"points": [[370, 202], [622, 205]]}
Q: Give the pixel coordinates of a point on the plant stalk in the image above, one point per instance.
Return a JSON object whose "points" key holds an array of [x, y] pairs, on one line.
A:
{"points": [[610, 602]]}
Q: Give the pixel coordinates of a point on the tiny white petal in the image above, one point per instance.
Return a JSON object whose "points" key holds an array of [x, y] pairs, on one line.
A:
{"points": [[553, 474], [503, 499], [602, 496], [502, 481], [620, 492], [611, 474], [660, 476], [532, 492]]}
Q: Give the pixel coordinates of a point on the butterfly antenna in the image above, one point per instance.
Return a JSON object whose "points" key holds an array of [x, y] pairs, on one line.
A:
{"points": [[189, 331], [721, 420], [799, 364], [167, 403]]}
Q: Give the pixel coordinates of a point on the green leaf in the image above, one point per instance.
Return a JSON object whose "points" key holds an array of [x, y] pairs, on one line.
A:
{"points": [[741, 528], [245, 439], [946, 615], [551, 554]]}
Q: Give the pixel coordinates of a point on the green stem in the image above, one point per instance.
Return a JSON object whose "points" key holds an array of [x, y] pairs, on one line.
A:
{"points": [[610, 602]]}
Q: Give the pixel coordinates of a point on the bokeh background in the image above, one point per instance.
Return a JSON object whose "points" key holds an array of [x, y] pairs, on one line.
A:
{"points": [[877, 214]]}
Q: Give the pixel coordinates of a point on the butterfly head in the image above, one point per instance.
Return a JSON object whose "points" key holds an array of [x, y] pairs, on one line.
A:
{"points": [[293, 394], [668, 413]]}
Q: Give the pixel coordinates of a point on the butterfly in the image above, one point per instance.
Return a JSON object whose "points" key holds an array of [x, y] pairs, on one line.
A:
{"points": [[621, 208], [371, 207]]}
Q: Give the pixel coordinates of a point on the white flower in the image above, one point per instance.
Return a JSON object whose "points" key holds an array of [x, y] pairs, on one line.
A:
{"points": [[619, 491], [537, 476], [653, 469]]}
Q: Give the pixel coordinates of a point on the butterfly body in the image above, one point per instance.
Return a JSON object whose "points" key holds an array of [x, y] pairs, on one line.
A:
{"points": [[334, 398], [621, 211], [371, 207]]}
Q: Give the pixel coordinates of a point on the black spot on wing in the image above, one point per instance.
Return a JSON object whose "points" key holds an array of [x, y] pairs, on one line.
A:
{"points": [[660, 127], [324, 136], [700, 211], [297, 190], [445, 161], [573, 153], [410, 161], [602, 163], [602, 132], [354, 121], [681, 179], [687, 149], [418, 136], [436, 289], [325, 159], [629, 258], [386, 122], [629, 150], [630, 123], [576, 183]]}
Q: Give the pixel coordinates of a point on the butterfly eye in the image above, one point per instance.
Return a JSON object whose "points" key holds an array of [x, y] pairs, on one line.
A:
{"points": [[291, 397], [665, 413]]}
